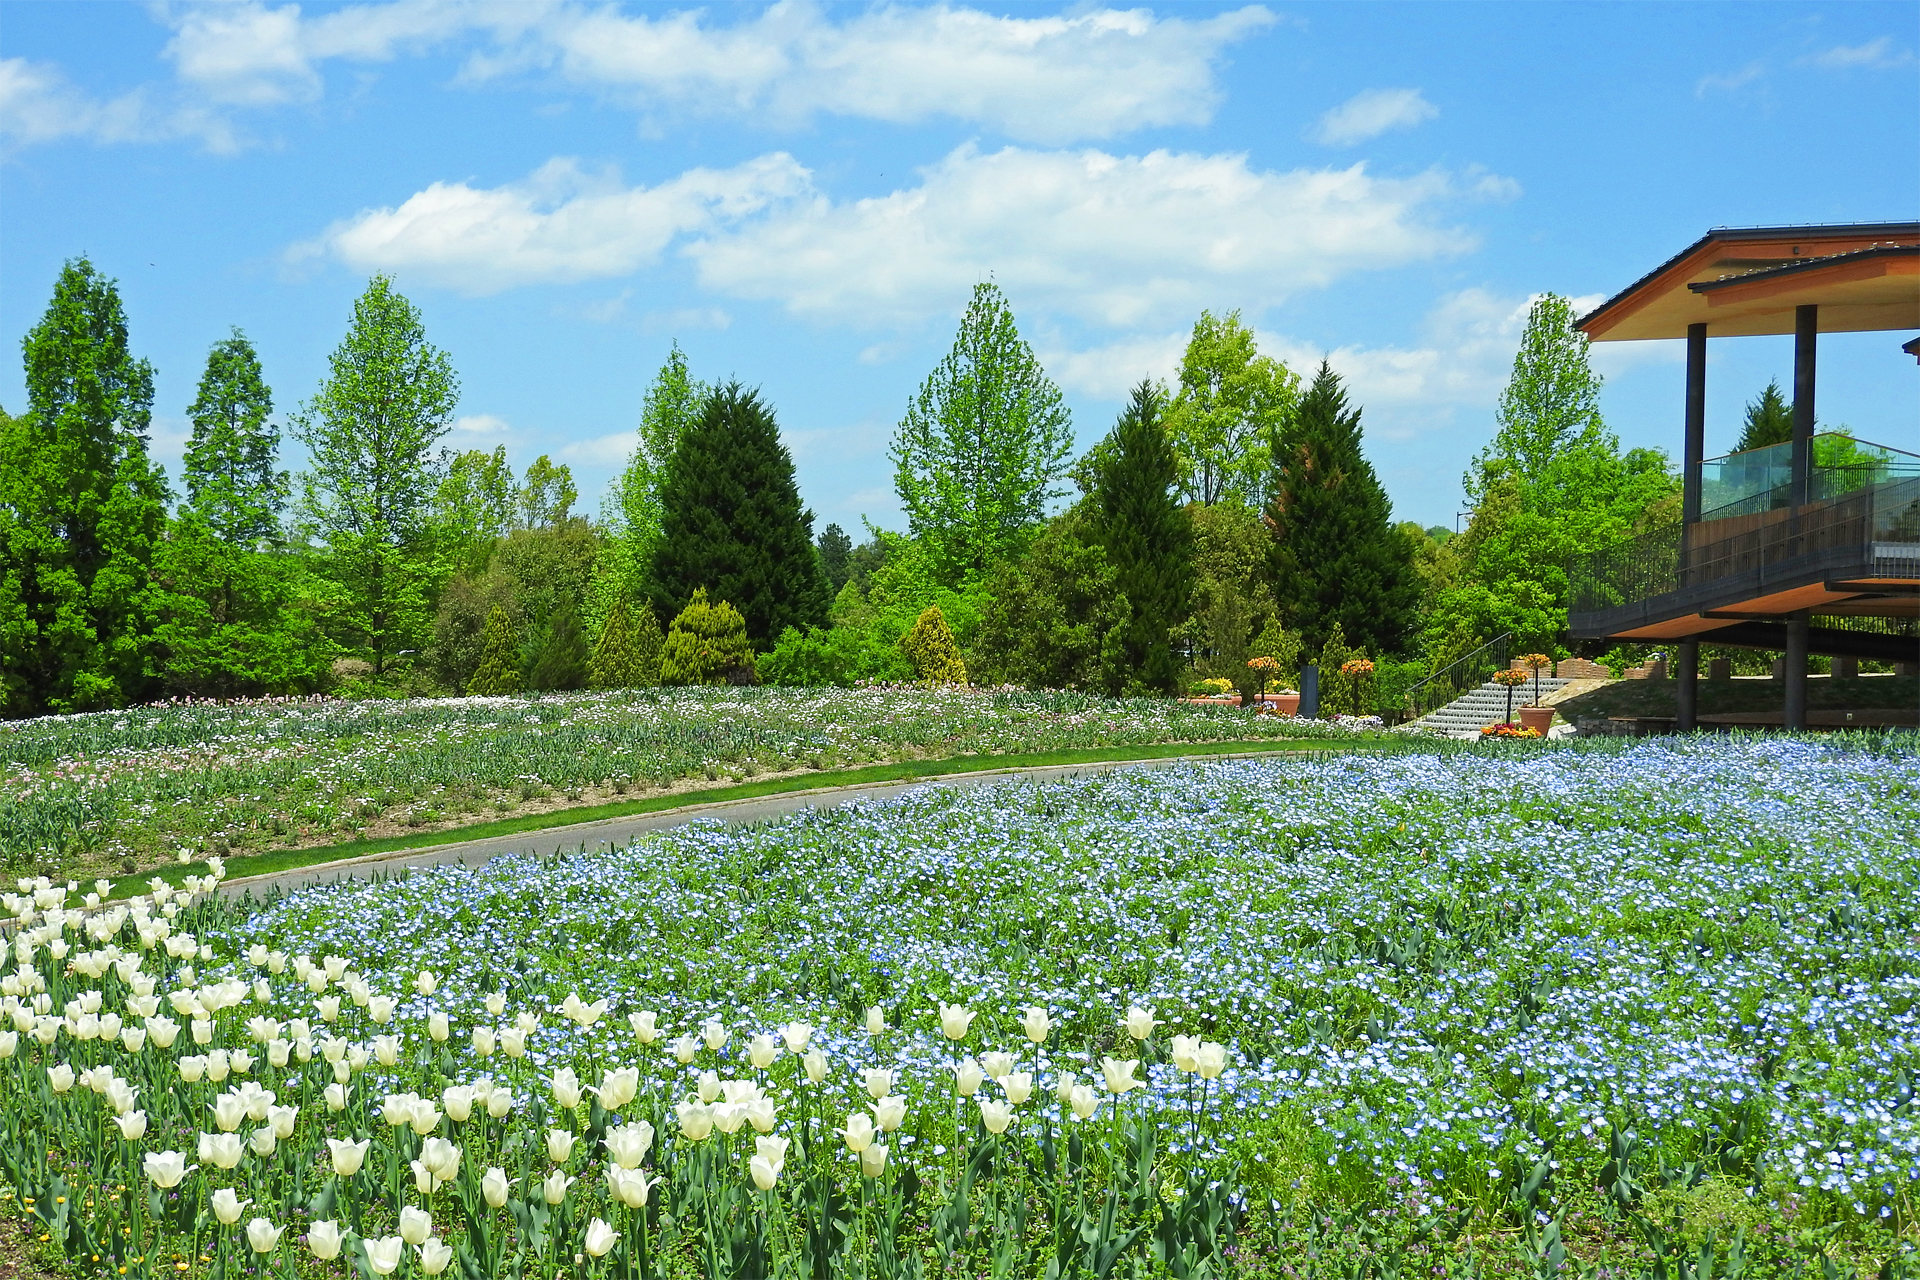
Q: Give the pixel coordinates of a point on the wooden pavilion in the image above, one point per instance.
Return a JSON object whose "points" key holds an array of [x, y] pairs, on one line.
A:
{"points": [[1812, 546]]}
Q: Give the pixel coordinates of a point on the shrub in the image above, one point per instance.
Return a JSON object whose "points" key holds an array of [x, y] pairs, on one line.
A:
{"points": [[707, 644], [627, 655], [842, 656], [1343, 691], [498, 671], [932, 650]]}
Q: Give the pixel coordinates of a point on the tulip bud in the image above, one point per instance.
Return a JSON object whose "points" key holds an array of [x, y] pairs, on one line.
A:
{"points": [[879, 1081], [1036, 1024], [323, 1239], [437, 1027], [494, 1187], [262, 1235], [513, 1042], [967, 1075], [873, 1161], [415, 1225], [764, 1174], [762, 1050], [814, 1063], [876, 1020], [566, 1089], [484, 1041], [426, 982], [559, 1145], [434, 1256], [715, 1034]]}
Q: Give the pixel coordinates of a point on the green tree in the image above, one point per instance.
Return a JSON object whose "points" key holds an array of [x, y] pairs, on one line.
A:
{"points": [[547, 493], [1233, 404], [1148, 540], [982, 447], [1769, 420], [1232, 597], [707, 644], [622, 658], [836, 557], [498, 671], [631, 511], [1337, 558], [731, 521], [369, 430], [235, 620], [1056, 617], [560, 656], [931, 649], [474, 505], [1551, 402], [81, 508]]}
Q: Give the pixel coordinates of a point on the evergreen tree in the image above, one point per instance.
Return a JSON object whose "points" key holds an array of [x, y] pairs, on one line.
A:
{"points": [[1769, 420], [81, 508], [631, 509], [929, 645], [234, 618], [560, 659], [836, 557], [388, 396], [649, 643], [1337, 559], [499, 669], [983, 446], [731, 521], [625, 656], [707, 644], [1148, 540], [1551, 402]]}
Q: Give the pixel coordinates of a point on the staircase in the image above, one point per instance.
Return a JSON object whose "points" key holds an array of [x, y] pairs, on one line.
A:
{"points": [[1475, 709]]}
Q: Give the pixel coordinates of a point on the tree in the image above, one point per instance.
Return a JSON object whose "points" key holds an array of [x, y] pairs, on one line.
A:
{"points": [[546, 494], [1232, 597], [388, 396], [234, 618], [836, 557], [707, 644], [474, 505], [622, 659], [731, 521], [1233, 404], [560, 656], [1769, 420], [1148, 540], [81, 508], [1337, 559], [1055, 618], [982, 447], [930, 647], [1551, 402], [631, 511], [498, 672]]}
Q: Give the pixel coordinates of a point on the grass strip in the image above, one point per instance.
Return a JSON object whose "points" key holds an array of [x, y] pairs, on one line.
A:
{"points": [[268, 863]]}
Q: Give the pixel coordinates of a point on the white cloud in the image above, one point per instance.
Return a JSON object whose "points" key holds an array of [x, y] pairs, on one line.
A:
{"points": [[469, 427], [1729, 81], [1111, 370], [1874, 55], [560, 224], [1116, 239], [602, 451], [1093, 73], [38, 104], [1370, 113]]}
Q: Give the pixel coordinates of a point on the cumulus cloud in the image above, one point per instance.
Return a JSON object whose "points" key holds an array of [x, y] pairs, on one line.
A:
{"points": [[560, 224], [1114, 239], [38, 104], [1369, 114]]}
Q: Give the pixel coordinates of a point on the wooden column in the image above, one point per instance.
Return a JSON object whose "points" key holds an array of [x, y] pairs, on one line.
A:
{"points": [[1794, 673], [1686, 685], [1806, 333], [1694, 445]]}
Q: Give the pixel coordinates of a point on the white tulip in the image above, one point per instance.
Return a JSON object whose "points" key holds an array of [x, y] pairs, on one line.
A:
{"points": [[458, 1101], [1018, 1086], [1119, 1075], [728, 1117], [714, 1032], [415, 1225], [967, 1075], [380, 1009], [618, 1088], [166, 1168], [555, 1186], [386, 1050], [336, 1097], [696, 1120], [996, 1064], [760, 1114], [764, 1174], [858, 1135], [347, 1155], [484, 1041], [263, 1236], [629, 1144], [228, 1112], [437, 1027], [496, 1004], [762, 1050], [559, 1145], [132, 1125], [513, 1042], [221, 1150], [1036, 1024], [494, 1187], [323, 1239], [1185, 1053], [434, 1256], [954, 1021], [499, 1102], [995, 1115], [579, 1011], [1139, 1023], [262, 1142], [600, 1238], [425, 1118], [566, 1089], [383, 1254], [642, 1021], [441, 1157], [879, 1081], [890, 1113], [1210, 1061], [426, 982], [876, 1020], [814, 1063], [1084, 1101], [227, 1206], [873, 1161], [629, 1186], [60, 1077]]}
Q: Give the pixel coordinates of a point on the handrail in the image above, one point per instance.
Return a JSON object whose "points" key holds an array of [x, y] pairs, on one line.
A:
{"points": [[1456, 678]]}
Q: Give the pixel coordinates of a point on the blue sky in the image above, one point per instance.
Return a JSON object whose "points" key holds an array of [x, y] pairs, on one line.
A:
{"points": [[804, 194]]}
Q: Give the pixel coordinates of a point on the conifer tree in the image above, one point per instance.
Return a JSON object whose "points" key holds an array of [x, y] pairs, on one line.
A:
{"points": [[560, 659], [616, 661], [1769, 420], [1336, 558], [1148, 539], [707, 644], [929, 645], [499, 669], [630, 512], [649, 643], [81, 508], [731, 522]]}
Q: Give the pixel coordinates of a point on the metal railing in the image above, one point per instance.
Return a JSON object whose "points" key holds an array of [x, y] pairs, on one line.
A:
{"points": [[1456, 678]]}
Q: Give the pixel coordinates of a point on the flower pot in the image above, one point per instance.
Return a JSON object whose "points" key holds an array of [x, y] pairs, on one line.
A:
{"points": [[1284, 704], [1539, 719]]}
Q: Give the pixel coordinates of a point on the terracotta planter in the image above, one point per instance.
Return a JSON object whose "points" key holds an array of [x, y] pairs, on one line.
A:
{"points": [[1284, 704], [1539, 719]]}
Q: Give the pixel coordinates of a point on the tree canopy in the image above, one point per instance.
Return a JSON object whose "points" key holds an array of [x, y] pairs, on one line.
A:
{"points": [[1232, 405]]}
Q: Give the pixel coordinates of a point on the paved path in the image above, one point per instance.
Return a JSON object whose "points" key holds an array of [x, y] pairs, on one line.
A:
{"points": [[618, 831]]}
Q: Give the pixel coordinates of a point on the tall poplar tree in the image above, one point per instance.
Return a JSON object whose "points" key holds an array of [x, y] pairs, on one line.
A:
{"points": [[369, 430], [983, 446], [1551, 402], [233, 621], [1337, 559], [1148, 539], [81, 507], [731, 522]]}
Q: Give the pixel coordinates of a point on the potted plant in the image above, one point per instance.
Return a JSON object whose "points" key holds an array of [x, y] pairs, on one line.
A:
{"points": [[1511, 679], [1284, 702], [1534, 715]]}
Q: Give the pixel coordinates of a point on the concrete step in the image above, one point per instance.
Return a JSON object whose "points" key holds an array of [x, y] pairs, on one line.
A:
{"points": [[1475, 709]]}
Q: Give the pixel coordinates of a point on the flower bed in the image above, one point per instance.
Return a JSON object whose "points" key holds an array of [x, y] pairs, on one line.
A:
{"points": [[1549, 985]]}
